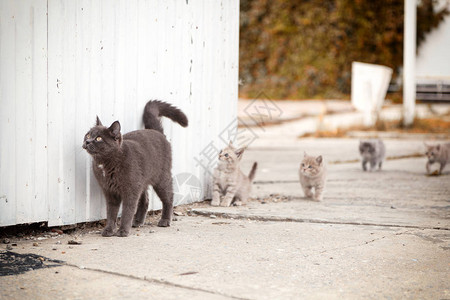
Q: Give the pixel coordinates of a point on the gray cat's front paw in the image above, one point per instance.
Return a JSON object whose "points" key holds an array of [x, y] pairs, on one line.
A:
{"points": [[107, 232], [215, 202], [137, 223], [123, 233], [164, 223]]}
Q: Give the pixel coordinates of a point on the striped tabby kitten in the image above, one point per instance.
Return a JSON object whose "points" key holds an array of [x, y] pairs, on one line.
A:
{"points": [[439, 153], [230, 184], [312, 175]]}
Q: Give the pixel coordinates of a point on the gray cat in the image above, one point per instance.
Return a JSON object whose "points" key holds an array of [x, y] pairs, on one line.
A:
{"points": [[372, 151], [312, 175], [439, 153], [126, 165], [230, 184]]}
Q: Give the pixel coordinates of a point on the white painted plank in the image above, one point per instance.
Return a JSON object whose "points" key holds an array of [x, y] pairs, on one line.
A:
{"points": [[62, 53], [7, 114], [38, 202], [24, 158]]}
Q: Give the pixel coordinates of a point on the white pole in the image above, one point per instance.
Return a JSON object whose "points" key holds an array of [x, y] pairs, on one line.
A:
{"points": [[409, 62]]}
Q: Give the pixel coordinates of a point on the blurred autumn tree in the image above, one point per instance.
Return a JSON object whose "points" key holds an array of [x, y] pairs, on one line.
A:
{"points": [[304, 49]]}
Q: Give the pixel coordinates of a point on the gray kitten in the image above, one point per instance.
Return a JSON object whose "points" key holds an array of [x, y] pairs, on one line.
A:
{"points": [[372, 151], [439, 153], [126, 165], [312, 175], [230, 184]]}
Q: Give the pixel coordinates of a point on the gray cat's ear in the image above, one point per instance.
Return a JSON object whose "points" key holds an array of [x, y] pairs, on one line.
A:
{"points": [[98, 122], [115, 129], [304, 154], [239, 152], [319, 159], [230, 144]]}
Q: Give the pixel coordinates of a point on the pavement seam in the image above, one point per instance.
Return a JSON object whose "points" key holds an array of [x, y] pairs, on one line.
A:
{"points": [[274, 181], [367, 242], [314, 221], [352, 246], [394, 157], [154, 280]]}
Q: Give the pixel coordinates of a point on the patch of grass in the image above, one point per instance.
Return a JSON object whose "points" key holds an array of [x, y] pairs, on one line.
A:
{"points": [[328, 134], [429, 126]]}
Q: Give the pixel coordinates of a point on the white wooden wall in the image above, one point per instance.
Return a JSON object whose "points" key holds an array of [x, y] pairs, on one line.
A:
{"points": [[63, 62]]}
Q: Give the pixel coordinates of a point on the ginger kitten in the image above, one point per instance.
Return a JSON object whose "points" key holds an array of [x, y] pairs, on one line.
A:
{"points": [[230, 184], [439, 153], [312, 175]]}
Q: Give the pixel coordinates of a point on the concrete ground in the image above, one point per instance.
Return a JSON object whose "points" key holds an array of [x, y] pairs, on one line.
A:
{"points": [[375, 235]]}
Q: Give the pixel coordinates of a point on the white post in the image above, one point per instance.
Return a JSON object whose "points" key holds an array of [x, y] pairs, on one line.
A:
{"points": [[409, 62]]}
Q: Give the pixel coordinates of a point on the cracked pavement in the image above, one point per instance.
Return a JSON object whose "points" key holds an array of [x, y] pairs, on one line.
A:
{"points": [[375, 235]]}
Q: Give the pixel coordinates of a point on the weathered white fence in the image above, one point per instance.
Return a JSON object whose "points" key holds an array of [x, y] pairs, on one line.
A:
{"points": [[64, 62]]}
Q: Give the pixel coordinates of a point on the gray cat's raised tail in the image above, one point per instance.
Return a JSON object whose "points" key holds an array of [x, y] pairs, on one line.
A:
{"points": [[155, 109], [251, 175]]}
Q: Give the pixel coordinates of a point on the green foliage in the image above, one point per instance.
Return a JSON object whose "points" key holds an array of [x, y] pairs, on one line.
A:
{"points": [[304, 49]]}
